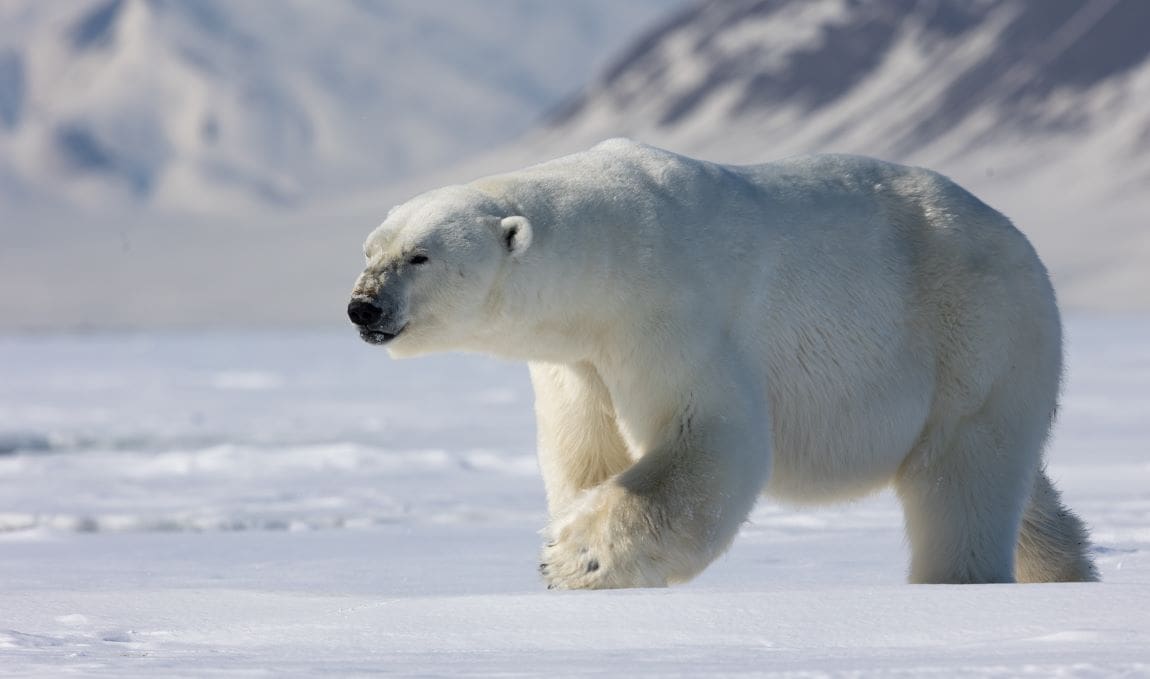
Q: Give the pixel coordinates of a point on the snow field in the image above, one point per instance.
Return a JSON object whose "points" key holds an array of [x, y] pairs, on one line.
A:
{"points": [[285, 504]]}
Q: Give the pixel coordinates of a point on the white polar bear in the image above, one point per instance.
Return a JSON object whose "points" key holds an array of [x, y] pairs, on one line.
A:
{"points": [[698, 334]]}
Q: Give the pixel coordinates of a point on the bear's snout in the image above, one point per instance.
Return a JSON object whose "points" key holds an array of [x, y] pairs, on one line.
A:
{"points": [[376, 319], [363, 313]]}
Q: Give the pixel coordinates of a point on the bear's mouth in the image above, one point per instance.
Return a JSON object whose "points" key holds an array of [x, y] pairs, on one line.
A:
{"points": [[374, 336]]}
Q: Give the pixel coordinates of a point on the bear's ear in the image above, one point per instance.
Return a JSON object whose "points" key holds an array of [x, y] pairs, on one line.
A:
{"points": [[516, 234]]}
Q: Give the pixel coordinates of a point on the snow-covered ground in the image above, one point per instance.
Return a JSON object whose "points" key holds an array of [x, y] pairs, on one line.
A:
{"points": [[273, 504]]}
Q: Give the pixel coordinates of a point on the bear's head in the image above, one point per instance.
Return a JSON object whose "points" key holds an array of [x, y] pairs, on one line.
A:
{"points": [[433, 267]]}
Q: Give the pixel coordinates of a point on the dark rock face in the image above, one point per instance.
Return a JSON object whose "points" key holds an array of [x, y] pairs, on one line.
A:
{"points": [[83, 151], [820, 74], [1049, 45], [97, 27]]}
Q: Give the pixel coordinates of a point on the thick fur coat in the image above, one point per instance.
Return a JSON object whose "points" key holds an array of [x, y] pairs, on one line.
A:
{"points": [[699, 334]]}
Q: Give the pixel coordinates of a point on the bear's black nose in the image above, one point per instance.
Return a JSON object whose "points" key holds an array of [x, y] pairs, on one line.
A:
{"points": [[363, 313]]}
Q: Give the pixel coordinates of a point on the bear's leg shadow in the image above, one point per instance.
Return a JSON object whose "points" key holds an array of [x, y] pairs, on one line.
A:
{"points": [[670, 514]]}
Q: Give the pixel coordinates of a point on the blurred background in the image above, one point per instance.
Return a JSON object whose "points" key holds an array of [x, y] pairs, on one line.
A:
{"points": [[215, 163]]}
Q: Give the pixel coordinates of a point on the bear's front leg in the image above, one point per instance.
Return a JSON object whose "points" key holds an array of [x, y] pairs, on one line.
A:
{"points": [[611, 539], [669, 515]]}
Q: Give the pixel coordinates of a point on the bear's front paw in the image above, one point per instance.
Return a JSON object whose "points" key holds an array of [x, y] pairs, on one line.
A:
{"points": [[609, 539]]}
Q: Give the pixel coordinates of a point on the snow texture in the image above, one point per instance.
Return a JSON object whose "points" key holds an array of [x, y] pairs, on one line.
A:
{"points": [[223, 503]]}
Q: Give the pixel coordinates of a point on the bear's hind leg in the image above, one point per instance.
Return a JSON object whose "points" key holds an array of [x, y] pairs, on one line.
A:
{"points": [[963, 495]]}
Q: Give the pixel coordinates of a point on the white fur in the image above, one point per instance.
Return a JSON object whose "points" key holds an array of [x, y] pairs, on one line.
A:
{"points": [[698, 334]]}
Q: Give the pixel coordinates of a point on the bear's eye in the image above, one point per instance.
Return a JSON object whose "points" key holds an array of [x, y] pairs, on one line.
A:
{"points": [[417, 259]]}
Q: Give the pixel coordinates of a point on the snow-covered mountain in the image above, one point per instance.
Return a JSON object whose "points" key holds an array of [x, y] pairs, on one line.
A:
{"points": [[1042, 108], [931, 78], [217, 104]]}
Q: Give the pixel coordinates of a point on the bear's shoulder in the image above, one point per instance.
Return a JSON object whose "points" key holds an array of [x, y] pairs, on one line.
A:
{"points": [[619, 145], [622, 148]]}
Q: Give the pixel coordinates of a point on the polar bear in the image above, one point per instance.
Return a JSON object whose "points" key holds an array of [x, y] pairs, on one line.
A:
{"points": [[700, 334]]}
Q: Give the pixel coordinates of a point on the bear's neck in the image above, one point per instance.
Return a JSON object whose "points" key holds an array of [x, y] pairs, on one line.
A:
{"points": [[573, 291]]}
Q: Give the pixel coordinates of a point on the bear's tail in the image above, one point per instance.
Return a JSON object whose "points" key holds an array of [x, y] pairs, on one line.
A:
{"points": [[1053, 544]]}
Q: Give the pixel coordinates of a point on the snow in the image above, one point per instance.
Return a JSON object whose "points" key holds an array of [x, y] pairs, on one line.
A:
{"points": [[289, 503], [214, 106]]}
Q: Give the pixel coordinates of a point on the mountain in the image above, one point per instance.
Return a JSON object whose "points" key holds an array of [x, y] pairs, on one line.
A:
{"points": [[1041, 108], [215, 105], [329, 113]]}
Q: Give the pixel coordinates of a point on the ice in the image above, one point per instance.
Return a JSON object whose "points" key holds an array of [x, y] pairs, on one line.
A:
{"points": [[294, 503]]}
